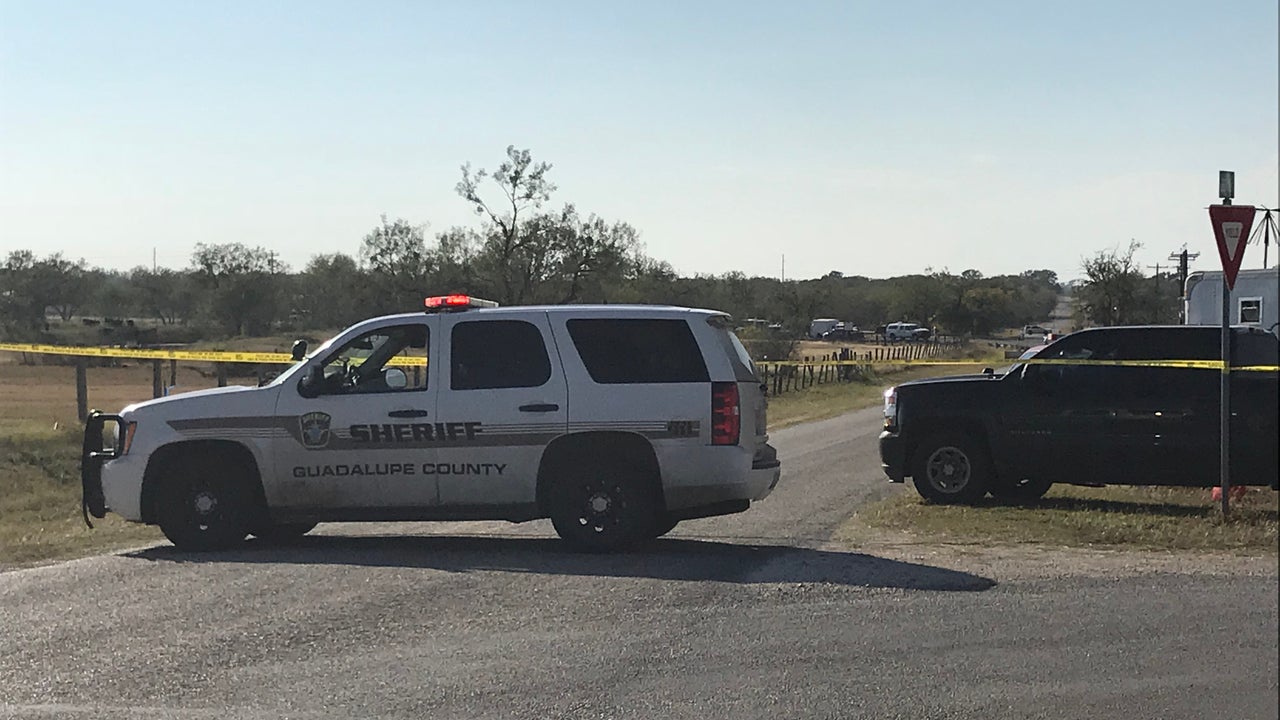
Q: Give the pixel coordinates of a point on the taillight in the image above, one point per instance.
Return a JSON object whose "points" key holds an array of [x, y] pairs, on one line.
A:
{"points": [[891, 408], [726, 419]]}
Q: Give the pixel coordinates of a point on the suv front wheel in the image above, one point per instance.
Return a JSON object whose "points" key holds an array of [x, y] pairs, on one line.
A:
{"points": [[205, 503], [603, 509], [951, 469]]}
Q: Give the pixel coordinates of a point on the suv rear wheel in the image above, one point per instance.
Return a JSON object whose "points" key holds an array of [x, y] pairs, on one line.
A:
{"points": [[600, 509], [951, 469]]}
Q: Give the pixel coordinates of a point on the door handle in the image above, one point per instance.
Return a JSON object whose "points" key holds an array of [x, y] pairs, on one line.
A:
{"points": [[540, 407], [408, 413]]}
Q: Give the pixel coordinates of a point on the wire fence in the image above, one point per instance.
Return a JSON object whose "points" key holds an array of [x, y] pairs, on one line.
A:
{"points": [[845, 365]]}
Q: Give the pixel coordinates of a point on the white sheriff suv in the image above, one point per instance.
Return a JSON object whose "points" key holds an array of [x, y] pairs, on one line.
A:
{"points": [[614, 421]]}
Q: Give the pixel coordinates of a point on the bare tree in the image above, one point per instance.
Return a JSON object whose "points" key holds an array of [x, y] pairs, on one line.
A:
{"points": [[524, 188]]}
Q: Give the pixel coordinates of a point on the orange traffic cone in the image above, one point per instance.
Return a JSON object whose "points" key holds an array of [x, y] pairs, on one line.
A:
{"points": [[1236, 492]]}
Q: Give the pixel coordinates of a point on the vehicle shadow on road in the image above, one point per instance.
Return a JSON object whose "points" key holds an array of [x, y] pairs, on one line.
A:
{"points": [[667, 559]]}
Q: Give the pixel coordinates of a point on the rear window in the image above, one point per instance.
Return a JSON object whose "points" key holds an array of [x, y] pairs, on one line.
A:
{"points": [[617, 351]]}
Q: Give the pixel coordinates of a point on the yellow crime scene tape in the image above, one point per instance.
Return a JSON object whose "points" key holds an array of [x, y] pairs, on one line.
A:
{"points": [[200, 355], [1194, 364], [286, 359]]}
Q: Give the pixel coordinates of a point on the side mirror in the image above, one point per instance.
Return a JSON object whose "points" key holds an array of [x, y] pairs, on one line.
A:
{"points": [[395, 379], [309, 386], [299, 349]]}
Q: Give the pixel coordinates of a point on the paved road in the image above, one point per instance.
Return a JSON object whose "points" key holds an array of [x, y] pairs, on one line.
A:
{"points": [[752, 616]]}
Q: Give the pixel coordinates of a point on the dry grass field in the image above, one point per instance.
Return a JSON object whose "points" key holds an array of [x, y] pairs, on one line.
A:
{"points": [[40, 399], [39, 455]]}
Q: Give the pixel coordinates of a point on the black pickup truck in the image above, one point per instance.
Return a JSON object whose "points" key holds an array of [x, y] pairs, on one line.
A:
{"points": [[1014, 433]]}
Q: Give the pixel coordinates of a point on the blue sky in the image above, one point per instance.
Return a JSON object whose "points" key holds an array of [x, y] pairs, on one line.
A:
{"points": [[871, 138]]}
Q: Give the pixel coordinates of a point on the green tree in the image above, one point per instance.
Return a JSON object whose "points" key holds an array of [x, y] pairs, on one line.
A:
{"points": [[395, 255], [1116, 293], [245, 286], [331, 291], [523, 187], [170, 296]]}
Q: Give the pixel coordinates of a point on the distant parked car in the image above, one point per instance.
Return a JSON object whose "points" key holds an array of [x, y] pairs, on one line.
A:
{"points": [[1034, 331], [903, 331], [850, 332]]}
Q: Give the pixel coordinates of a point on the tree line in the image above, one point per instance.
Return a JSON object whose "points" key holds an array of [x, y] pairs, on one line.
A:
{"points": [[521, 250]]}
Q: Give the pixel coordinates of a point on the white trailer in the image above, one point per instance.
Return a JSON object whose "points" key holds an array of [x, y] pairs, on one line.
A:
{"points": [[821, 325], [1253, 299]]}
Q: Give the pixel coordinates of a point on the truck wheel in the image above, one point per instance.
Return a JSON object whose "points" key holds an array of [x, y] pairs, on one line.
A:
{"points": [[951, 469], [1025, 490], [205, 503], [282, 532], [603, 509]]}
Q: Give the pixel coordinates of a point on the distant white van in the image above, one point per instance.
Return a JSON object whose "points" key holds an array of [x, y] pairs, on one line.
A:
{"points": [[821, 325]]}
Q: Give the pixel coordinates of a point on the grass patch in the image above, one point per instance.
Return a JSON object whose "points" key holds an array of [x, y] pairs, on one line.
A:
{"points": [[1128, 517], [40, 503]]}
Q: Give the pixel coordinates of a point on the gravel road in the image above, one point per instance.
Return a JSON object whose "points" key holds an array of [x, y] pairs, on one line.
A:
{"points": [[750, 616]]}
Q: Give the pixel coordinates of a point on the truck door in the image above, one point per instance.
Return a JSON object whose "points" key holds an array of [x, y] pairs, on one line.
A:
{"points": [[1063, 420], [361, 426], [502, 399]]}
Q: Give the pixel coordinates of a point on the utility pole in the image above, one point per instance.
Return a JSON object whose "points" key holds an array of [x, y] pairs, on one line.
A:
{"points": [[1183, 258]]}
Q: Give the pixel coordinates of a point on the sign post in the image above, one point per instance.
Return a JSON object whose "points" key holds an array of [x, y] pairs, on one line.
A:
{"points": [[1231, 225]]}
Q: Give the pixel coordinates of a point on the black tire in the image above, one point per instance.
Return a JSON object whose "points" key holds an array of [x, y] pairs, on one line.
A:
{"points": [[951, 469], [282, 532], [205, 503], [1025, 490], [603, 509]]}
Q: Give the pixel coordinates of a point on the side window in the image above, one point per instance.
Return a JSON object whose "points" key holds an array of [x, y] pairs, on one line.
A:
{"points": [[1067, 378], [618, 351], [490, 354], [390, 359], [1250, 311]]}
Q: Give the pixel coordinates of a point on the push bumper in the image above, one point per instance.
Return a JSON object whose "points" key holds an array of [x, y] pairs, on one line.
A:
{"points": [[893, 456], [92, 455]]}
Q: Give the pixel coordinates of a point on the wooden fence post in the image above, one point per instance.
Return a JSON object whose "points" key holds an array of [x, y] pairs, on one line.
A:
{"points": [[222, 374], [82, 390], [173, 373], [157, 380]]}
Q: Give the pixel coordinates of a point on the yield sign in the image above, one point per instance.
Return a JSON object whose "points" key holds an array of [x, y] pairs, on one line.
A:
{"points": [[1231, 225]]}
